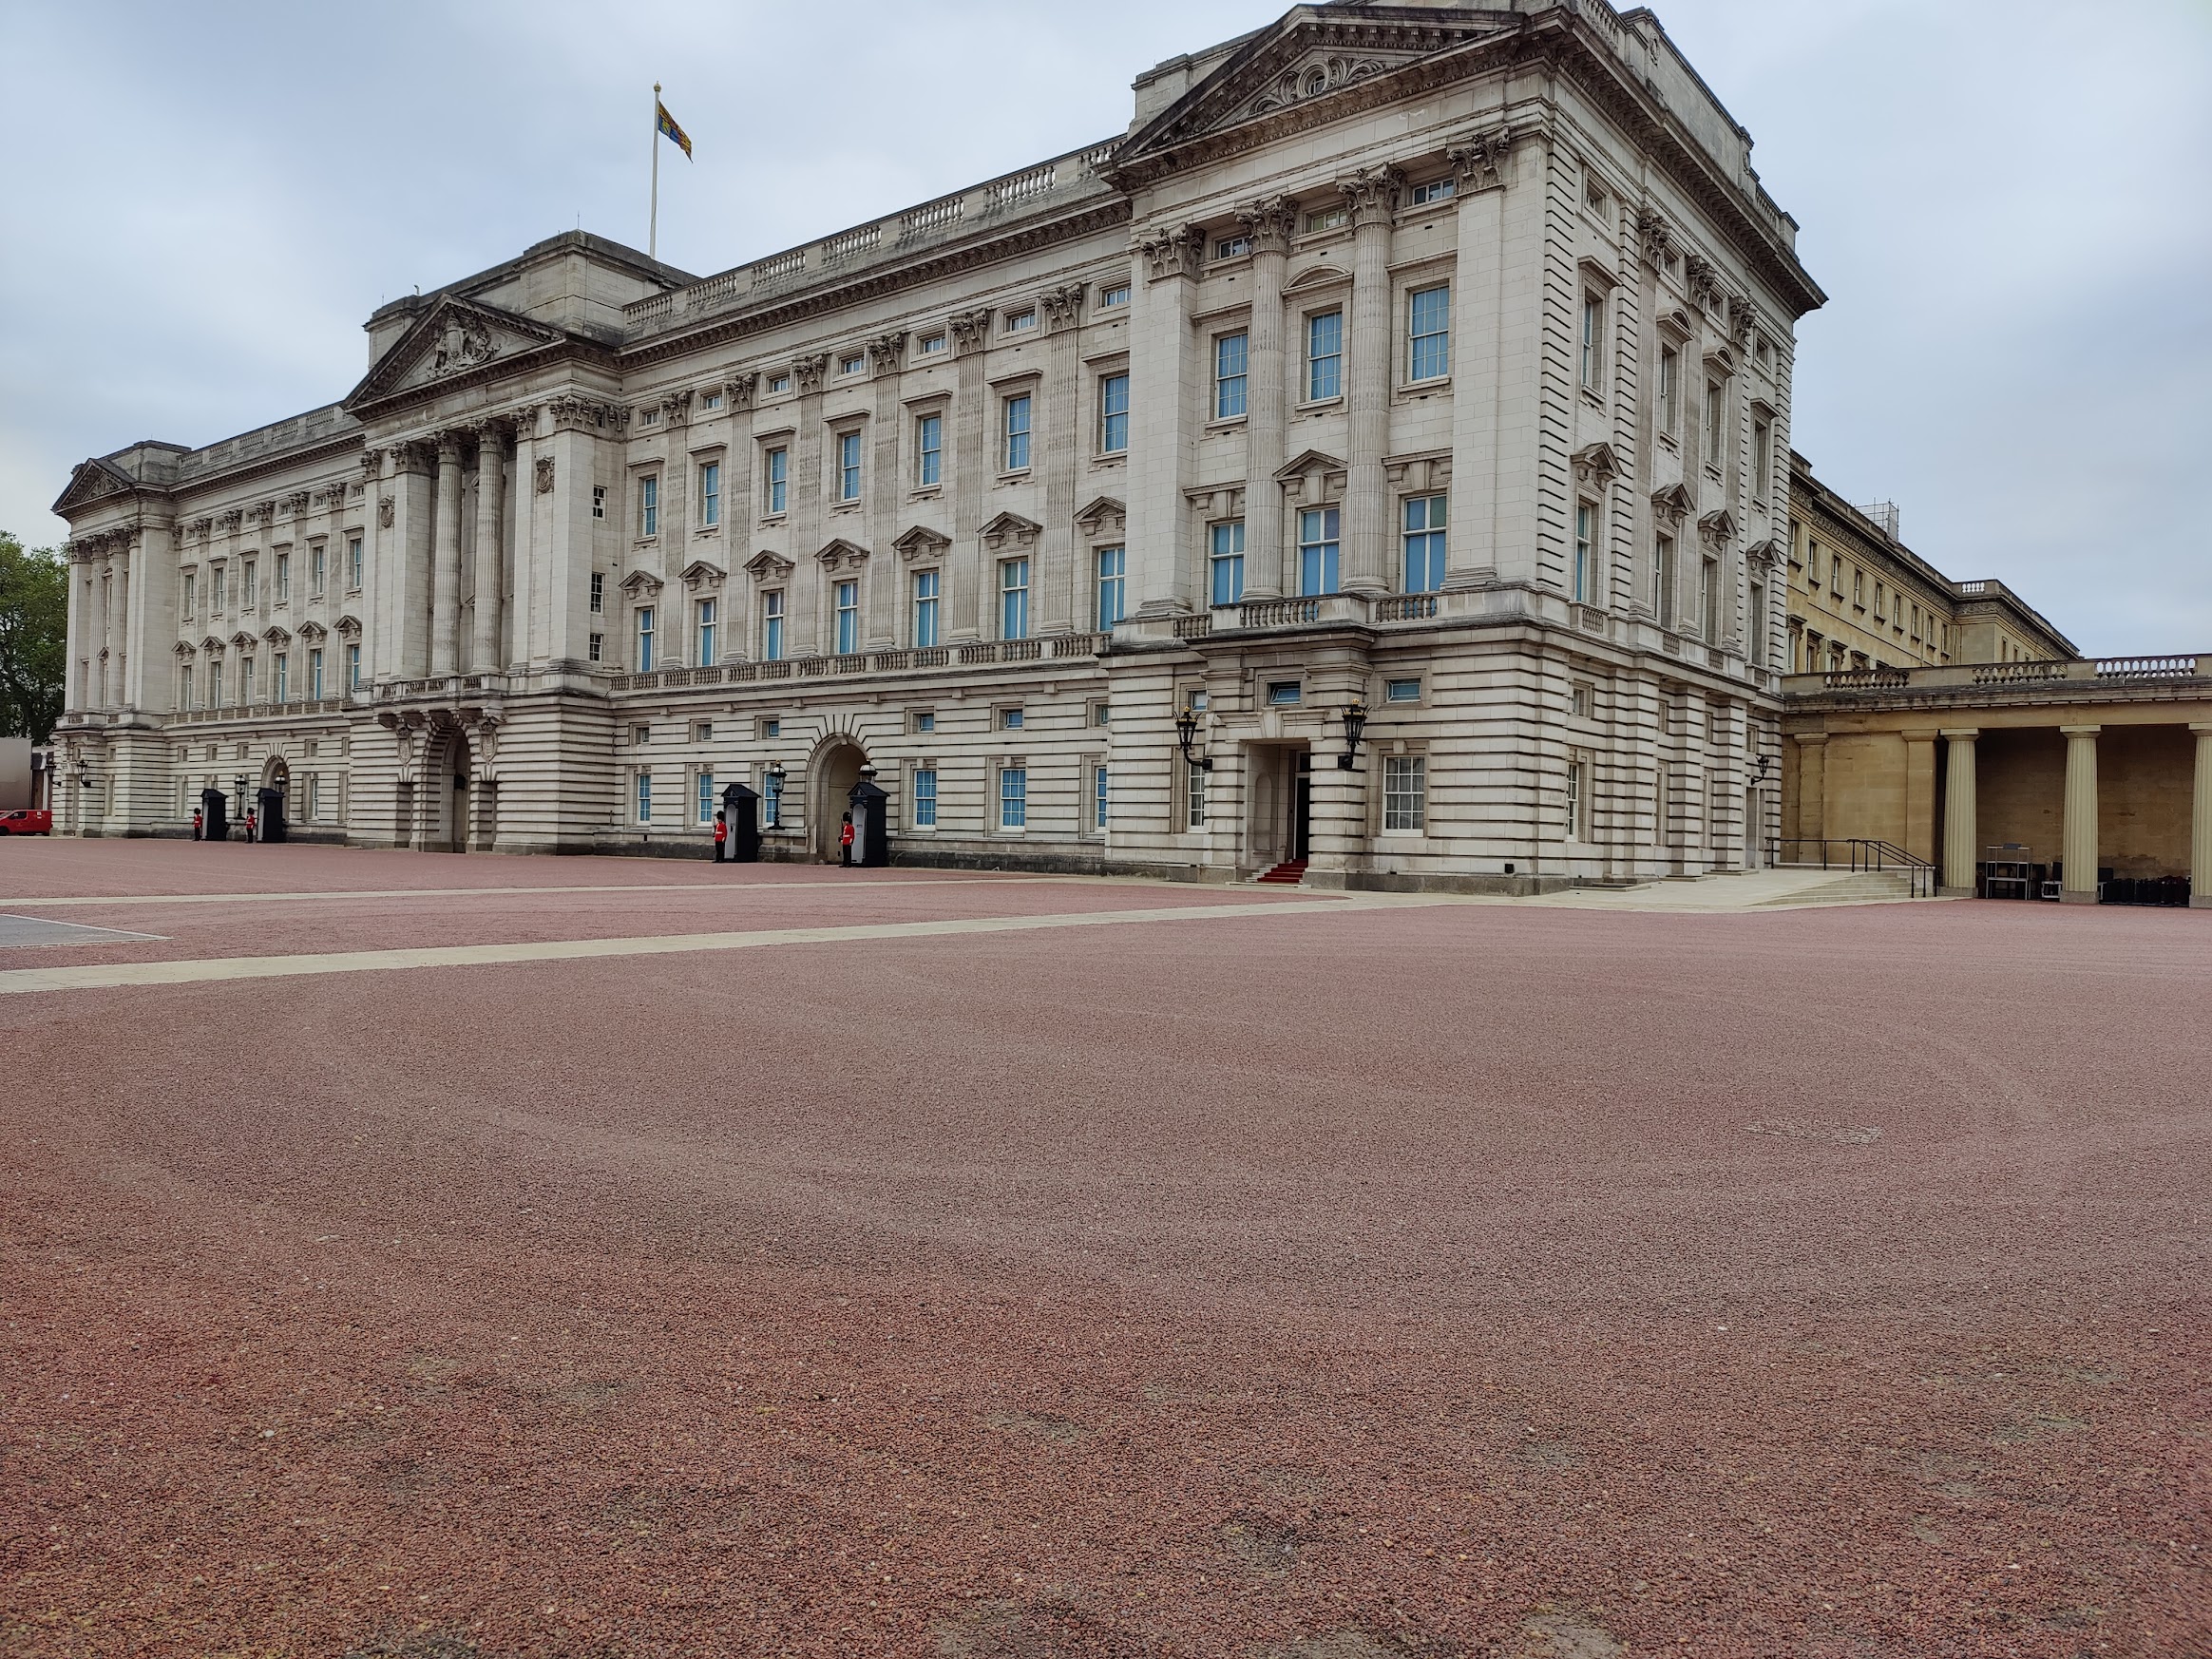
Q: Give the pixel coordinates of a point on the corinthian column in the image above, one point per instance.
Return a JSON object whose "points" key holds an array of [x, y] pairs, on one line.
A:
{"points": [[490, 453], [446, 550], [1269, 225], [1372, 194], [1961, 814], [120, 642]]}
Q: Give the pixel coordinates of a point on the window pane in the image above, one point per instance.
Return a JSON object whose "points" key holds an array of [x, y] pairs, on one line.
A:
{"points": [[931, 443], [1014, 599], [925, 608], [1229, 377], [1017, 434], [1404, 791], [1228, 561], [1324, 359], [1113, 414], [1113, 570], [1317, 550], [1425, 544], [1013, 798], [925, 799], [1431, 346]]}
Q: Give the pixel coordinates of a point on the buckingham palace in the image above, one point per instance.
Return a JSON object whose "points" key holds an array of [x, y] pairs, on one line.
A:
{"points": [[1372, 466]]}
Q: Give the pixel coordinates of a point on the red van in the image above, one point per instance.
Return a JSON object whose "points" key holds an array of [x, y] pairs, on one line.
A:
{"points": [[26, 822]]}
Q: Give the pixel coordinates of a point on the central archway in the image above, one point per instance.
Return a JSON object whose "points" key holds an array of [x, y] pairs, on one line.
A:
{"points": [[450, 788], [831, 777]]}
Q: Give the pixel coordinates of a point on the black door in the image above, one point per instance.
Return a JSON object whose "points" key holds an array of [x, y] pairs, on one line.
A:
{"points": [[1302, 831]]}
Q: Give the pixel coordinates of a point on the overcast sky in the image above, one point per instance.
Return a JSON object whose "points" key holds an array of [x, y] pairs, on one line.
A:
{"points": [[2007, 201]]}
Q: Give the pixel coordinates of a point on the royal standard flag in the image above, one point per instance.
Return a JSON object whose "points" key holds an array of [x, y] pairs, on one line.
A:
{"points": [[669, 129]]}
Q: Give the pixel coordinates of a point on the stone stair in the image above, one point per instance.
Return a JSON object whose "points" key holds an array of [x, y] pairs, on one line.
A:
{"points": [[1290, 874], [1864, 886]]}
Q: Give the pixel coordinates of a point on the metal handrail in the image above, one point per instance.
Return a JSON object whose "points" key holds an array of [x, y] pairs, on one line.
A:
{"points": [[1865, 852]]}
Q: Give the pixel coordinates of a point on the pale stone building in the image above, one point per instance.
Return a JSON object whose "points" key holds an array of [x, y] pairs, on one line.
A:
{"points": [[1376, 455]]}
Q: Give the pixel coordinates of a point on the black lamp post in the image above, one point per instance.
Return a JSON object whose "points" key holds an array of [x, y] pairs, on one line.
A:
{"points": [[1186, 734], [1354, 728], [774, 776]]}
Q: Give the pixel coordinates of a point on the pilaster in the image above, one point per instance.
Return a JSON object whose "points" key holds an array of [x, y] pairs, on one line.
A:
{"points": [[887, 356], [1372, 193], [974, 461], [1269, 225], [446, 572], [1062, 597], [1163, 378]]}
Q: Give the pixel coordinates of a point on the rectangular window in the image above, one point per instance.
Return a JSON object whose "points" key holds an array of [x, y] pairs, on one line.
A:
{"points": [[925, 798], [353, 668], [314, 570], [1317, 550], [848, 618], [1585, 551], [1401, 691], [1232, 247], [1880, 601], [353, 562], [930, 450], [1404, 791], [710, 494], [778, 384], [1021, 321], [215, 685], [649, 506], [1230, 356], [706, 657], [315, 796], [595, 648], [1227, 560], [1013, 720], [1017, 434], [248, 590], [1670, 388], [1013, 797], [1113, 414], [1324, 355], [283, 676], [315, 674], [1592, 340], [646, 640], [1434, 190], [1194, 797], [191, 588], [930, 345], [1425, 544], [925, 720], [1578, 799], [1708, 600], [1663, 582], [1762, 456], [706, 797], [599, 592], [779, 481], [1758, 641], [1859, 590], [1713, 423], [1113, 585], [599, 501], [1429, 331], [1327, 219], [853, 363], [644, 797], [847, 466], [283, 578], [221, 583], [1113, 294], [1284, 694], [1097, 797], [771, 626], [1014, 599], [771, 799], [246, 683], [926, 589]]}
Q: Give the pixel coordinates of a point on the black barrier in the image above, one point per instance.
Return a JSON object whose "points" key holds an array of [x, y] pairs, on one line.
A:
{"points": [[871, 834], [215, 815], [741, 815]]}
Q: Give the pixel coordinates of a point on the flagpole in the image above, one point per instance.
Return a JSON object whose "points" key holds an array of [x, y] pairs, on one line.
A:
{"points": [[653, 218]]}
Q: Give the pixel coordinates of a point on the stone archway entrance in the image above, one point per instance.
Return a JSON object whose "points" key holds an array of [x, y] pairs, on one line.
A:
{"points": [[450, 789], [830, 777]]}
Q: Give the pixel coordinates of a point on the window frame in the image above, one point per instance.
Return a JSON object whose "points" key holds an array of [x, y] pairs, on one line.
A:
{"points": [[1013, 792], [706, 617], [845, 609], [648, 506], [641, 640], [1327, 550], [928, 607], [930, 450], [1230, 559], [1405, 793], [1432, 532], [1014, 592], [1015, 442], [1232, 384], [849, 461], [1441, 368], [1334, 359], [775, 473], [1105, 580], [774, 615], [711, 493], [1114, 440]]}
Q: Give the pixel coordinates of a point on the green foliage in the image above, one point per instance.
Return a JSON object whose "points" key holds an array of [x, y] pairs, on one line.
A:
{"points": [[34, 638]]}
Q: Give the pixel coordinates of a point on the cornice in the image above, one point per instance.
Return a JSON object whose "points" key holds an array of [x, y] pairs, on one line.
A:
{"points": [[1081, 222]]}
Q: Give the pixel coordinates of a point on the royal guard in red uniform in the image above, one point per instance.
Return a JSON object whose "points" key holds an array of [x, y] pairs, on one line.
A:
{"points": [[251, 819], [198, 824], [721, 834], [844, 842]]}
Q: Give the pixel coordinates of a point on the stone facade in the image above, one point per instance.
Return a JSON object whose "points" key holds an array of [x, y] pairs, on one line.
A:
{"points": [[1377, 455], [1861, 599]]}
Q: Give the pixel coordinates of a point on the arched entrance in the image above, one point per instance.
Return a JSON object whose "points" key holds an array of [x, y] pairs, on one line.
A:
{"points": [[831, 777], [450, 788]]}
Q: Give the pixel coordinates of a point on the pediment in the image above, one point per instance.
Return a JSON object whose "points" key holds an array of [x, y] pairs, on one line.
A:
{"points": [[1105, 510], [214, 642], [1010, 527], [640, 583], [1596, 464], [766, 563], [1315, 65], [922, 543], [1718, 526], [1672, 504], [91, 481], [184, 648], [311, 632], [275, 635], [1316, 277], [703, 573], [1307, 463], [843, 555], [242, 639], [456, 339], [349, 627]]}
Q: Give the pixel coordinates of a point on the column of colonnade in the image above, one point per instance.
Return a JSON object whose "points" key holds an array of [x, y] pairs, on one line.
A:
{"points": [[1961, 812], [478, 651], [2078, 833], [2201, 824], [1269, 225], [1372, 195]]}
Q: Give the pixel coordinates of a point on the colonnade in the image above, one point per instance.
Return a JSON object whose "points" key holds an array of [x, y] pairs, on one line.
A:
{"points": [[445, 641]]}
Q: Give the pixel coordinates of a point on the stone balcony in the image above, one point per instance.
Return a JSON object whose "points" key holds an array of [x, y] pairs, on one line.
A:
{"points": [[2185, 676]]}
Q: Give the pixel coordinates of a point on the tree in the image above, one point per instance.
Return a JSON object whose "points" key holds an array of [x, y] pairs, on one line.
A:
{"points": [[34, 638]]}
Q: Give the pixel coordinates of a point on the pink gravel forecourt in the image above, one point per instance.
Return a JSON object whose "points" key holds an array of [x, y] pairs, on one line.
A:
{"points": [[954, 1264]]}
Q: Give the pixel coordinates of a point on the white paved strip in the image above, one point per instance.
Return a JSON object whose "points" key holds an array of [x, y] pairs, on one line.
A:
{"points": [[825, 887], [108, 976]]}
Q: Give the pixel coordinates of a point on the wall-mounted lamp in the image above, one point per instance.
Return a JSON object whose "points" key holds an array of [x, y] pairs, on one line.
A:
{"points": [[1354, 728], [1186, 734]]}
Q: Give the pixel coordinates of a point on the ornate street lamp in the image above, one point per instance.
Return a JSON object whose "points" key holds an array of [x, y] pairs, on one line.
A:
{"points": [[1186, 734], [1354, 728], [774, 777]]}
